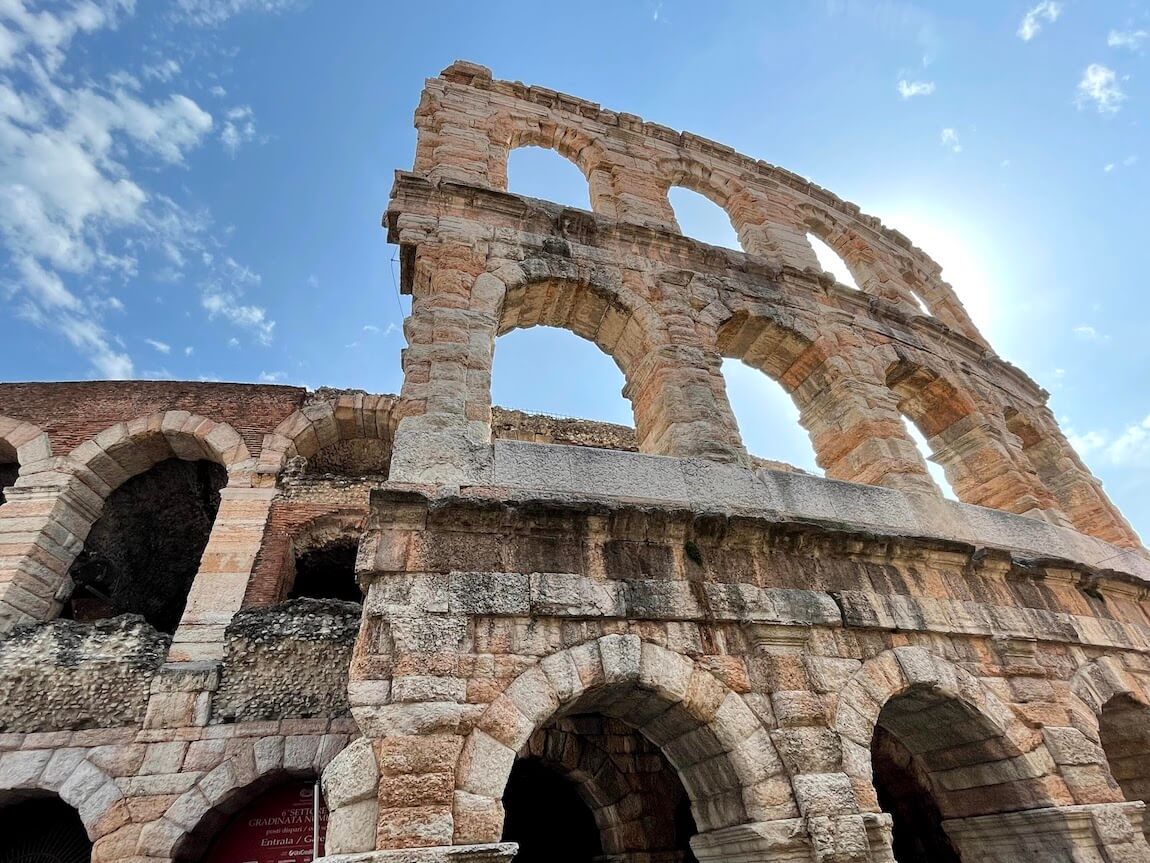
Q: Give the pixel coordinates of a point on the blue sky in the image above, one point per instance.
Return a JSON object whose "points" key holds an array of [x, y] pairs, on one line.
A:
{"points": [[192, 189]]}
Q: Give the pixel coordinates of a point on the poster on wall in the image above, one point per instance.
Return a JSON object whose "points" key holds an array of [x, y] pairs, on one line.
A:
{"points": [[276, 827]]}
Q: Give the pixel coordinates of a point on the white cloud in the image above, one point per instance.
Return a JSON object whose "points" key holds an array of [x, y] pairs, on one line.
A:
{"points": [[370, 328], [221, 297], [1088, 333], [1047, 11], [910, 89], [1131, 39], [1128, 448], [239, 128], [949, 139], [162, 347], [211, 13], [1100, 85], [273, 377], [163, 71], [189, 350], [24, 30]]}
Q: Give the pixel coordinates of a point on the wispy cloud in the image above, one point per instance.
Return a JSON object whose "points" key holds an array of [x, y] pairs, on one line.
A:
{"points": [[222, 297], [1128, 162], [1100, 86], [273, 377], [162, 347], [949, 139], [1046, 12], [910, 89], [1087, 333], [239, 128], [1129, 447], [212, 13], [1131, 39]]}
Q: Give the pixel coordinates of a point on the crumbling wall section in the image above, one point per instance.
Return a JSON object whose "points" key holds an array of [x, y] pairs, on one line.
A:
{"points": [[287, 661], [67, 676]]}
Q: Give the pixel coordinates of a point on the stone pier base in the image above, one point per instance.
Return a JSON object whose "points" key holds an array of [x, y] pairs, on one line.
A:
{"points": [[499, 852], [1095, 833]]}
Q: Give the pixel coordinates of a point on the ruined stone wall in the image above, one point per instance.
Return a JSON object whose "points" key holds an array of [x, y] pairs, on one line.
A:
{"points": [[724, 660]]}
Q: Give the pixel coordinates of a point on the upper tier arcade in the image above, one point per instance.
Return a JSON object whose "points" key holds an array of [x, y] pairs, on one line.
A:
{"points": [[479, 262]]}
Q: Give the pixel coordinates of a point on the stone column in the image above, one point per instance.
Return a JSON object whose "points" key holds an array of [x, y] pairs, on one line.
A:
{"points": [[839, 827], [681, 406], [855, 426], [218, 589], [445, 402]]}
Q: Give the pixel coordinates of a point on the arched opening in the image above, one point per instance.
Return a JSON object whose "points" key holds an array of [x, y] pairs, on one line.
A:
{"points": [[546, 817], [529, 363], [327, 572], [1124, 728], [768, 419], [42, 829], [142, 553], [9, 467], [935, 757], [936, 470], [270, 821], [702, 219], [832, 263], [540, 172], [588, 787]]}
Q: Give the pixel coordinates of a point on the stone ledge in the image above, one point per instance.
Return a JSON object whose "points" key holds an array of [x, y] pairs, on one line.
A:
{"points": [[500, 852], [551, 471]]}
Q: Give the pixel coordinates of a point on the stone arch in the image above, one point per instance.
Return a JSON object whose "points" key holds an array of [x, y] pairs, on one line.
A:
{"points": [[64, 500], [721, 752], [743, 207], [853, 423], [676, 390], [325, 423], [1049, 456], [978, 464], [508, 133], [69, 775], [320, 533], [995, 764], [192, 819]]}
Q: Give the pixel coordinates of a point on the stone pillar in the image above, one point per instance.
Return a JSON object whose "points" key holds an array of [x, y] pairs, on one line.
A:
{"points": [[840, 829], [497, 852], [218, 589], [681, 406], [1101, 833], [855, 426], [445, 402]]}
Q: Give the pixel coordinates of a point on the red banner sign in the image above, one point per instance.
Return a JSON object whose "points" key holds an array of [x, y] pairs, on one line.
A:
{"points": [[276, 827]]}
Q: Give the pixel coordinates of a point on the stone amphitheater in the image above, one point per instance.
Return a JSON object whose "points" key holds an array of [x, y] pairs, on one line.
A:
{"points": [[256, 623]]}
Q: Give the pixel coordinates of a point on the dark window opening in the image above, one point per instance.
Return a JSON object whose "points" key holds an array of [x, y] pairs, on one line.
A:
{"points": [[8, 473], [143, 552], [43, 830], [546, 816], [327, 572]]}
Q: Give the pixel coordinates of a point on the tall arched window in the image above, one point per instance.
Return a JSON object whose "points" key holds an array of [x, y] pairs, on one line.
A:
{"points": [[936, 471], [768, 418], [832, 263], [142, 553], [530, 364], [42, 829], [536, 172], [702, 219]]}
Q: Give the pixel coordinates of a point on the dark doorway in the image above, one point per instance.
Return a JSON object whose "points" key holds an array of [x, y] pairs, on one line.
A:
{"points": [[547, 818], [143, 552], [918, 833], [43, 830], [327, 572]]}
